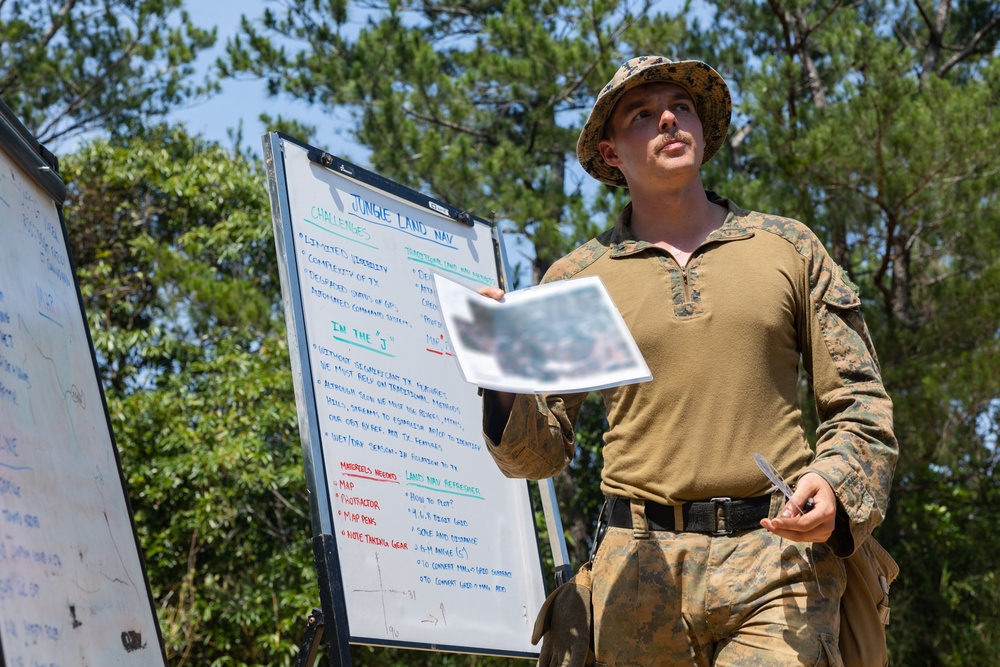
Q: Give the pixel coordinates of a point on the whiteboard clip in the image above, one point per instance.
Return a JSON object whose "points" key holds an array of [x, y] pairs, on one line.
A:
{"points": [[321, 157]]}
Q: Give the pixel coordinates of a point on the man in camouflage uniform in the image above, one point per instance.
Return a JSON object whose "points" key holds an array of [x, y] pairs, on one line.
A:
{"points": [[703, 564]]}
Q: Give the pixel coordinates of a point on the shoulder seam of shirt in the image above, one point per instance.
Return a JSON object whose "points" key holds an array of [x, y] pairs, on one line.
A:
{"points": [[580, 258], [797, 233], [806, 244]]}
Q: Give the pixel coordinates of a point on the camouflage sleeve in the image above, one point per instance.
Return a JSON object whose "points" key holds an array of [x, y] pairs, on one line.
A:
{"points": [[856, 450], [536, 441]]}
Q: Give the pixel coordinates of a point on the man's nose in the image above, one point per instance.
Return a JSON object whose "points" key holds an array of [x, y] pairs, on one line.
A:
{"points": [[668, 120]]}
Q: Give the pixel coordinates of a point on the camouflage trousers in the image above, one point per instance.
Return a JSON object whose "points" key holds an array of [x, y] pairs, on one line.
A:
{"points": [[666, 598]]}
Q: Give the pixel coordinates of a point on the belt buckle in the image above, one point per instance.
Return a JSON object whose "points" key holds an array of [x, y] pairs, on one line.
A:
{"points": [[721, 523]]}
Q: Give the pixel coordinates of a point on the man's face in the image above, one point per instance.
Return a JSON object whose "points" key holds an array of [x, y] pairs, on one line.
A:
{"points": [[654, 132]]}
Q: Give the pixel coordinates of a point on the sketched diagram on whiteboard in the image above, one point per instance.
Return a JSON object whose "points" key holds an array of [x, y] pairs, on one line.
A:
{"points": [[382, 592]]}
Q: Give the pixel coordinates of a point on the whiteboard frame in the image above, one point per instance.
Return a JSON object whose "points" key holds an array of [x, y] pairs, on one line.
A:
{"points": [[41, 166], [332, 592]]}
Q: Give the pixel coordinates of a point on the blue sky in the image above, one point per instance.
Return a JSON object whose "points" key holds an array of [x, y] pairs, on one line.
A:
{"points": [[244, 99]]}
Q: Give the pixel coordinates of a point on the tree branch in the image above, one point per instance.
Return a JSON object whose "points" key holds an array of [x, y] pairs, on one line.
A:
{"points": [[970, 47], [935, 40], [602, 50], [445, 123]]}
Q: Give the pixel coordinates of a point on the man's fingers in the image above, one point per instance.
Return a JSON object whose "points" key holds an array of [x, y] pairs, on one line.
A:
{"points": [[800, 503], [817, 524], [814, 526], [492, 292], [817, 535]]}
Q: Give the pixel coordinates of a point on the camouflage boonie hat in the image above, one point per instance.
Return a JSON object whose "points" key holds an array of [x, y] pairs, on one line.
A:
{"points": [[705, 85]]}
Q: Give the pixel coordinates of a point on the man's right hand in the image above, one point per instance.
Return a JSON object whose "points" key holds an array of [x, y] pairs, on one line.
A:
{"points": [[505, 400], [492, 292]]}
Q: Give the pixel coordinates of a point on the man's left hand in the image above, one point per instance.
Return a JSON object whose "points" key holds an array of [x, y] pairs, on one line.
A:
{"points": [[817, 524]]}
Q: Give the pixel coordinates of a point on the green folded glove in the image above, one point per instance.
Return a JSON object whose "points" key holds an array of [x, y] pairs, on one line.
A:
{"points": [[565, 624]]}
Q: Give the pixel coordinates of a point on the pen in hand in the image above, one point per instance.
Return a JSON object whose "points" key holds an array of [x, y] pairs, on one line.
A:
{"points": [[779, 483]]}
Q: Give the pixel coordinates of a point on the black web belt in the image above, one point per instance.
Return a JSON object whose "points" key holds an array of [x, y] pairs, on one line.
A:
{"points": [[718, 516]]}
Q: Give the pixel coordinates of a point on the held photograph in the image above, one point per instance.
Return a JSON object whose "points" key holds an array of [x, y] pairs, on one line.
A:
{"points": [[535, 340]]}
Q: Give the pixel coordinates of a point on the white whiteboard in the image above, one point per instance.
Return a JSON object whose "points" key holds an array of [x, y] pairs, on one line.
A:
{"points": [[73, 589], [436, 548]]}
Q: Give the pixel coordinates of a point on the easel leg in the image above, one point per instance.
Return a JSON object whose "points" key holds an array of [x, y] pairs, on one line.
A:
{"points": [[312, 639]]}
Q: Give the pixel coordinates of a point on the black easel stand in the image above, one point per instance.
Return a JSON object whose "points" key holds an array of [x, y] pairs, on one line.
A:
{"points": [[311, 640]]}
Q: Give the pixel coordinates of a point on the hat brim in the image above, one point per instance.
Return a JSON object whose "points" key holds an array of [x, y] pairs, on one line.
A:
{"points": [[708, 89]]}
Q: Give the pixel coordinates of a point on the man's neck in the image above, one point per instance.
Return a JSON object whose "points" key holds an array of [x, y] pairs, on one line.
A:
{"points": [[677, 220]]}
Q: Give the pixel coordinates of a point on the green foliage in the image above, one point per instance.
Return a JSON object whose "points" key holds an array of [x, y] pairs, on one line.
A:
{"points": [[478, 103], [946, 610], [579, 486], [172, 241], [67, 68], [874, 122], [864, 127], [215, 473]]}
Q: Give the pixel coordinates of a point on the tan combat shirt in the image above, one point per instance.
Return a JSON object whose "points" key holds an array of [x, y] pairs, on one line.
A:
{"points": [[723, 337]]}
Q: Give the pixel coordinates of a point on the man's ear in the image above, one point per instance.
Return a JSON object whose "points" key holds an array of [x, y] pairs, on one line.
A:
{"points": [[608, 152]]}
